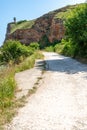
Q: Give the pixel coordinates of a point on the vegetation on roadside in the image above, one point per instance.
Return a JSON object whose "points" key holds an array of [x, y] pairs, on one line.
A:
{"points": [[7, 94], [13, 52], [75, 42], [15, 57], [49, 49], [76, 33], [28, 62]]}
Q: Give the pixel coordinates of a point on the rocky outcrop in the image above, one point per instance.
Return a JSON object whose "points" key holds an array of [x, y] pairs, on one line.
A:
{"points": [[8, 30], [56, 30], [46, 25], [25, 36]]}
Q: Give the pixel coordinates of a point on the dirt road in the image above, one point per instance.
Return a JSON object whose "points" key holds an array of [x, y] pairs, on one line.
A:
{"points": [[60, 102]]}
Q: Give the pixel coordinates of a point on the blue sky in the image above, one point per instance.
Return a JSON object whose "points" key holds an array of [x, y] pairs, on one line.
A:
{"points": [[27, 9]]}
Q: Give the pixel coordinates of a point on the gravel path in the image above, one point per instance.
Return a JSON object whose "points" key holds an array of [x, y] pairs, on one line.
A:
{"points": [[60, 102], [26, 79]]}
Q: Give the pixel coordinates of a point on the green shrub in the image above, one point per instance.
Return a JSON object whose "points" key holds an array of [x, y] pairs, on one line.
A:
{"points": [[49, 49], [75, 24], [29, 62], [75, 42], [13, 50], [21, 21], [58, 48], [76, 32], [34, 46], [68, 48], [26, 64]]}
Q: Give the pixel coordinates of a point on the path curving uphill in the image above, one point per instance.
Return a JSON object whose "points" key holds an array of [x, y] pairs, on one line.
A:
{"points": [[60, 102]]}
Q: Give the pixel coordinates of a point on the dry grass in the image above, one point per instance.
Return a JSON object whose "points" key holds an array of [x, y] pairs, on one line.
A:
{"points": [[8, 103]]}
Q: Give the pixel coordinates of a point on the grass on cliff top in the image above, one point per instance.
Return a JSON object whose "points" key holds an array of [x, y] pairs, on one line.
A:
{"points": [[64, 13], [60, 13], [24, 24]]}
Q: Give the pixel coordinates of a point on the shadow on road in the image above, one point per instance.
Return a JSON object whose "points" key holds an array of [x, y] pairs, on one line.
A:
{"points": [[64, 65]]}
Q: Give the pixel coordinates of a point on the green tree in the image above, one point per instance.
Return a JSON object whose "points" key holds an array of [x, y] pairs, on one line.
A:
{"points": [[76, 29]]}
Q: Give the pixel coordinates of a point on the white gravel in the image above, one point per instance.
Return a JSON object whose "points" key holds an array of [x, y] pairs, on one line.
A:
{"points": [[60, 102]]}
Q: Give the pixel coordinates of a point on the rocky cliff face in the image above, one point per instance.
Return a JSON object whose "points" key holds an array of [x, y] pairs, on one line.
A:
{"points": [[47, 25]]}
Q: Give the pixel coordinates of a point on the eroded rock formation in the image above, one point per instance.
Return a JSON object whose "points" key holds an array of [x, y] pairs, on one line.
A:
{"points": [[46, 25]]}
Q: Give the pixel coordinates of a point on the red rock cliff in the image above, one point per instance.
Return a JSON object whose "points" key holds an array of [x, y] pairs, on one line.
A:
{"points": [[47, 25]]}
